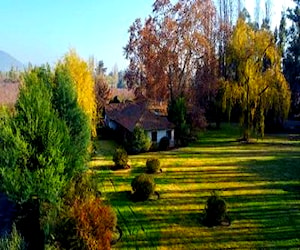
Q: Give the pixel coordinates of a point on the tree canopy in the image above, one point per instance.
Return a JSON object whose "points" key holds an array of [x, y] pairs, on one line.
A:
{"points": [[82, 77], [168, 49], [33, 143], [44, 143], [255, 82], [292, 58]]}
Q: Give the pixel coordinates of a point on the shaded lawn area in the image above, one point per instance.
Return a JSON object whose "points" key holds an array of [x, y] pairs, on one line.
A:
{"points": [[260, 182]]}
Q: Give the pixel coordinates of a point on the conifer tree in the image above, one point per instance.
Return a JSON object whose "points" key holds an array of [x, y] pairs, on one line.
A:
{"points": [[82, 77]]}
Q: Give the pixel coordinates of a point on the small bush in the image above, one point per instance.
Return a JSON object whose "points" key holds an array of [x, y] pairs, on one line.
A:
{"points": [[120, 158], [215, 211], [88, 224], [81, 186], [164, 143], [95, 223], [143, 186], [152, 165], [138, 141]]}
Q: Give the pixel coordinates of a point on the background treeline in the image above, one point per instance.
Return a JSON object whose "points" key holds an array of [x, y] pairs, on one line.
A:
{"points": [[212, 54]]}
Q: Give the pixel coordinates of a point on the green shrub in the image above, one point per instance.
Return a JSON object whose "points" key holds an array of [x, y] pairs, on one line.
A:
{"points": [[164, 143], [177, 113], [13, 241], [120, 158], [81, 186], [87, 224], [143, 186], [152, 165], [43, 144], [32, 155], [215, 211], [65, 102], [138, 141]]}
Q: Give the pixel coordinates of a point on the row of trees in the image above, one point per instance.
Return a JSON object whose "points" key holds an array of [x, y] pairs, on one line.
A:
{"points": [[289, 42], [45, 143], [114, 79], [191, 49]]}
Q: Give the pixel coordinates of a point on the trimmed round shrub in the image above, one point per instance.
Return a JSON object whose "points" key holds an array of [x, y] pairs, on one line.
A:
{"points": [[143, 186], [152, 165], [120, 158], [164, 143], [215, 211]]}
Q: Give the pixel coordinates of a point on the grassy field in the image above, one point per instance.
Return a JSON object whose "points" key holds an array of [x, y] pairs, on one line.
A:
{"points": [[260, 182]]}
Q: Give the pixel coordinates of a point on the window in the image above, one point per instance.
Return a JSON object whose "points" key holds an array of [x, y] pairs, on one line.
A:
{"points": [[154, 136], [169, 134]]}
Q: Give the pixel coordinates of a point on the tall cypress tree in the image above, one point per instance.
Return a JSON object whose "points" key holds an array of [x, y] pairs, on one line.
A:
{"points": [[65, 103], [33, 143], [42, 146]]}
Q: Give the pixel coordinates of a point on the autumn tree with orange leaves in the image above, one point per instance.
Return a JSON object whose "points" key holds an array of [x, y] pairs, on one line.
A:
{"points": [[173, 52]]}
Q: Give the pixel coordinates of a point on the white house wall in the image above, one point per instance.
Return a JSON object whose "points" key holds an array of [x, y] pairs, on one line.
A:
{"points": [[111, 124], [161, 134]]}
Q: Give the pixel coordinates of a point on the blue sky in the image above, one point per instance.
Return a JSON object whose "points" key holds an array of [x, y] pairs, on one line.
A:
{"points": [[40, 31]]}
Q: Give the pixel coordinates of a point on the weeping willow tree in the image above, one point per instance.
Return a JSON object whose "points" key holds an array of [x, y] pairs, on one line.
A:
{"points": [[255, 82]]}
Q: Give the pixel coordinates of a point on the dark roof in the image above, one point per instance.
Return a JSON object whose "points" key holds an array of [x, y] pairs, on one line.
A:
{"points": [[130, 115]]}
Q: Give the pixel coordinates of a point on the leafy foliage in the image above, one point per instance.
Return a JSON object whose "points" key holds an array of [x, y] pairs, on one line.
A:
{"points": [[120, 158], [138, 141], [167, 50], [152, 165], [82, 76], [43, 145], [65, 103], [86, 224], [291, 61], [215, 210], [143, 186], [254, 83], [95, 223], [13, 241], [32, 152], [103, 95], [177, 113], [82, 186]]}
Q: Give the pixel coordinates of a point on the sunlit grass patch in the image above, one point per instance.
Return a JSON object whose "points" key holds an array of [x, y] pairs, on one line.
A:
{"points": [[260, 183]]}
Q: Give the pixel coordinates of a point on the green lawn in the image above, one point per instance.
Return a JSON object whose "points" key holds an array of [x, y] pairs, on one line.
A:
{"points": [[260, 182]]}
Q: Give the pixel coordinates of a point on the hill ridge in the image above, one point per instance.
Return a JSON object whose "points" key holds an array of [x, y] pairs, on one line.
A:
{"points": [[7, 62]]}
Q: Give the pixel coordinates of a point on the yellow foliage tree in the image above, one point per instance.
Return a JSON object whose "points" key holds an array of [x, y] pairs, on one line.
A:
{"points": [[255, 81], [82, 76]]}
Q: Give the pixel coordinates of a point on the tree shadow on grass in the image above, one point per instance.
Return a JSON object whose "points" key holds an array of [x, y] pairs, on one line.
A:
{"points": [[101, 168], [280, 168], [123, 197], [136, 170]]}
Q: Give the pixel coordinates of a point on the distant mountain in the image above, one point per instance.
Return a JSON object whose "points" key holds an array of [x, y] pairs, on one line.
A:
{"points": [[7, 61]]}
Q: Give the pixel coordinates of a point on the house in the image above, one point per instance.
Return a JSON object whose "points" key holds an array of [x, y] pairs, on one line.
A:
{"points": [[127, 116]]}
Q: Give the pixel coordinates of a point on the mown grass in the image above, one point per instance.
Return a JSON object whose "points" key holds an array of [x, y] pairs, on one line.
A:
{"points": [[260, 182]]}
